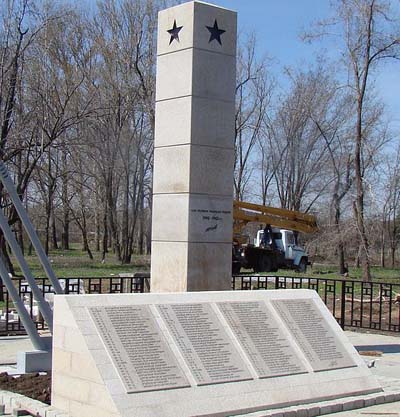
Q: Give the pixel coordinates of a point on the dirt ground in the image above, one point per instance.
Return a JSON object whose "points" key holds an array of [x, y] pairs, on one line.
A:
{"points": [[35, 386]]}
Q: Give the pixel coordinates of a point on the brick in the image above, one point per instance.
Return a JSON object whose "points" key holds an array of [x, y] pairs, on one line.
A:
{"points": [[330, 408], [302, 412], [390, 397], [380, 399], [368, 402], [314, 411], [290, 413], [353, 404]]}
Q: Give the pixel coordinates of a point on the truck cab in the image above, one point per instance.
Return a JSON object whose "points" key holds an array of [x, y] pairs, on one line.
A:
{"points": [[284, 241]]}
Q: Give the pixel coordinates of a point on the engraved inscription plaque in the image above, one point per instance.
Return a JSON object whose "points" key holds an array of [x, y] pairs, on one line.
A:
{"points": [[204, 343], [137, 348], [313, 334], [263, 341]]}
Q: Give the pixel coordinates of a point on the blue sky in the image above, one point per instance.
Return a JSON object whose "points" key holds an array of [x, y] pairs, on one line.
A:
{"points": [[277, 25]]}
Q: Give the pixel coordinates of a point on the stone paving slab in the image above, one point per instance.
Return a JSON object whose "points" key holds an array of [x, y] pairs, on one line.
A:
{"points": [[9, 346]]}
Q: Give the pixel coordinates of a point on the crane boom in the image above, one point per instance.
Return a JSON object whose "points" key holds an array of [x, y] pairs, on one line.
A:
{"points": [[244, 213]]}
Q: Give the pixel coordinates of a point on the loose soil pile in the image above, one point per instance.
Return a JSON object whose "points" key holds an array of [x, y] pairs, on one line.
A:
{"points": [[35, 386]]}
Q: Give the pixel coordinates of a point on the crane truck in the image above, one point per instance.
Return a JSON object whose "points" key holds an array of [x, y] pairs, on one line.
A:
{"points": [[275, 245]]}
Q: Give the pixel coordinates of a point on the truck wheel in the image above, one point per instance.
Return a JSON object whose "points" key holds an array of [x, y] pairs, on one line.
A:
{"points": [[302, 266], [235, 268], [265, 264]]}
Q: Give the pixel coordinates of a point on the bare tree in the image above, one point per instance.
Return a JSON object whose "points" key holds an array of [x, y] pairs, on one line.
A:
{"points": [[119, 138], [46, 177], [370, 34], [296, 143], [253, 95], [14, 40], [391, 207], [335, 130]]}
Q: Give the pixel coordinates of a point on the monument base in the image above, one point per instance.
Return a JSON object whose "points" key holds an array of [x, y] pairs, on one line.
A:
{"points": [[34, 361], [200, 354]]}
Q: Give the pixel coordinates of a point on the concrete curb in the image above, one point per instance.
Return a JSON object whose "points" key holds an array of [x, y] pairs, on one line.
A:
{"points": [[14, 402], [328, 407]]}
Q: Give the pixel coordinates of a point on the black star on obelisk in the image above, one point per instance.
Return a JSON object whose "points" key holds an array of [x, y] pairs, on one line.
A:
{"points": [[215, 32], [174, 32]]}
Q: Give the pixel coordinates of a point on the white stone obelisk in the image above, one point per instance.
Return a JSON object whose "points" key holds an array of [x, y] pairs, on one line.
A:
{"points": [[194, 149]]}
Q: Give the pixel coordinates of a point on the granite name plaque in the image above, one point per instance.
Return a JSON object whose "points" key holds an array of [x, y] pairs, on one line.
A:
{"points": [[265, 344], [313, 334], [204, 344], [137, 348]]}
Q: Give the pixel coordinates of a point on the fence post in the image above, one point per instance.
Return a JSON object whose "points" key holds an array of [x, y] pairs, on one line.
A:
{"points": [[343, 305], [277, 283]]}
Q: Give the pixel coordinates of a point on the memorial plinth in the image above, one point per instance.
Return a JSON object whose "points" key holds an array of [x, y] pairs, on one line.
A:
{"points": [[194, 149], [200, 354]]}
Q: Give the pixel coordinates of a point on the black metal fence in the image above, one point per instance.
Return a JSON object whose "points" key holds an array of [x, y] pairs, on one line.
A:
{"points": [[367, 305], [354, 304], [10, 323]]}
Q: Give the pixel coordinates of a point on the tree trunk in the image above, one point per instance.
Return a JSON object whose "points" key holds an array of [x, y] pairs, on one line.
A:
{"points": [[383, 243], [112, 218], [125, 225], [105, 234], [4, 254], [393, 228], [141, 232], [359, 215], [65, 231], [65, 204], [86, 244], [54, 242], [341, 256], [47, 232], [97, 226], [340, 244], [85, 240], [141, 215], [20, 236], [7, 261], [358, 258], [392, 256], [18, 223]]}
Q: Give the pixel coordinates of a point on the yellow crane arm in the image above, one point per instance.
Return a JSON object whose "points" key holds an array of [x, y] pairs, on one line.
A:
{"points": [[244, 213]]}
